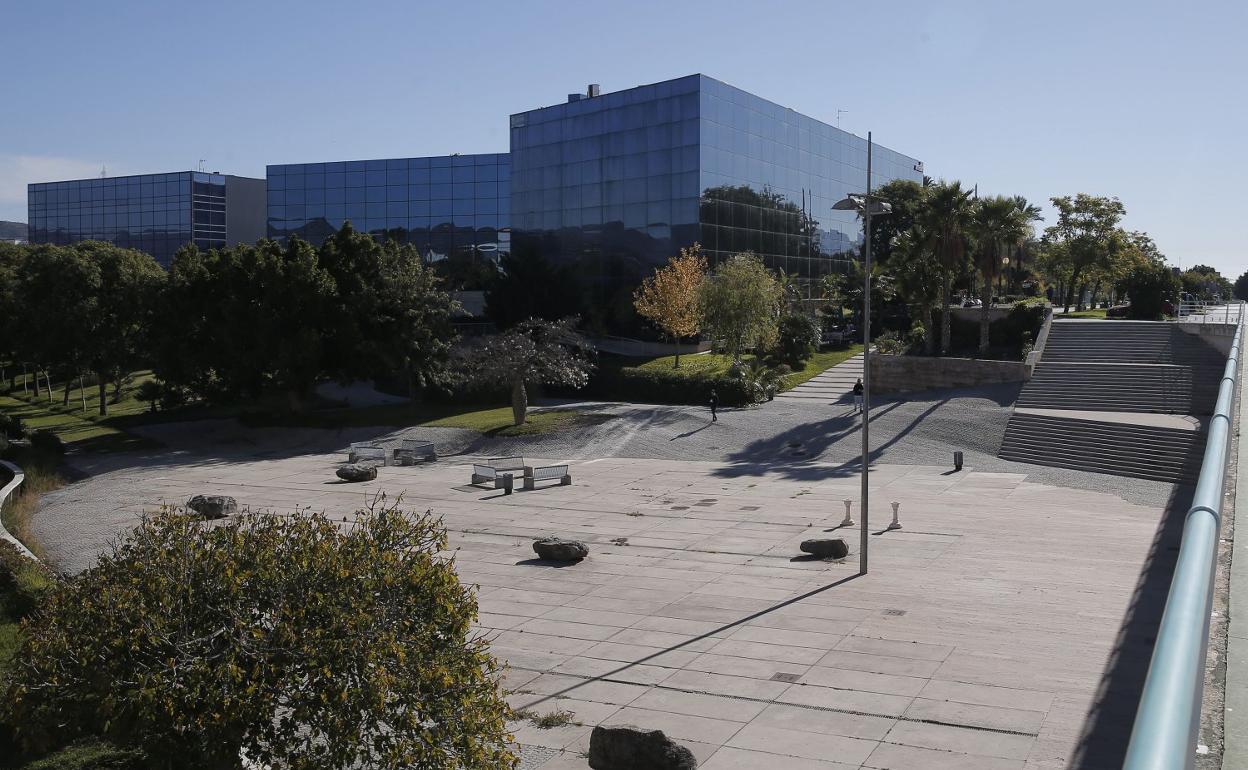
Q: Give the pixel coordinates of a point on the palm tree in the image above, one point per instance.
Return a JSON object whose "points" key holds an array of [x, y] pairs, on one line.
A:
{"points": [[919, 279], [945, 219], [790, 289], [998, 224], [1031, 213]]}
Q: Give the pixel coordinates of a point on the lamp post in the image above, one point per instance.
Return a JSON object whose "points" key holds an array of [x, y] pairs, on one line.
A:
{"points": [[867, 206]]}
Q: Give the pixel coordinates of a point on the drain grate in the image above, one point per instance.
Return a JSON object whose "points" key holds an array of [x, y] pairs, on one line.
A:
{"points": [[784, 676], [748, 508], [898, 613], [680, 507]]}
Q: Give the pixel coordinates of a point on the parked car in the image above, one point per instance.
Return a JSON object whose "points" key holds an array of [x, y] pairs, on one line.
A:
{"points": [[1118, 311], [1168, 308], [972, 303]]}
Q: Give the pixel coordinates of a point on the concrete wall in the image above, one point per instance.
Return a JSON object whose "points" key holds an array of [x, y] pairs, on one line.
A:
{"points": [[973, 314], [906, 374], [1219, 336]]}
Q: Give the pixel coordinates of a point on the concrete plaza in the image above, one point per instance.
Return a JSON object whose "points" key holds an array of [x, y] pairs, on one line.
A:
{"points": [[1004, 626]]}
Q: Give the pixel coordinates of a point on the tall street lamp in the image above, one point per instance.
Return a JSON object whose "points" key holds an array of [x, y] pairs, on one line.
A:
{"points": [[867, 206]]}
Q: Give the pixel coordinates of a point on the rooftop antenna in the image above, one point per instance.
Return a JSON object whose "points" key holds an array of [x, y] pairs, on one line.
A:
{"points": [[838, 117], [103, 171], [201, 164]]}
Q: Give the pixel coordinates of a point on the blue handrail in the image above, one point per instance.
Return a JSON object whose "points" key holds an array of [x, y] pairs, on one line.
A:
{"points": [[1168, 720]]}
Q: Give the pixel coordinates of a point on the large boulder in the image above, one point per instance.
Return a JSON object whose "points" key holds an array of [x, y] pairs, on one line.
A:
{"points": [[357, 472], [558, 549], [826, 548], [624, 747], [213, 506]]}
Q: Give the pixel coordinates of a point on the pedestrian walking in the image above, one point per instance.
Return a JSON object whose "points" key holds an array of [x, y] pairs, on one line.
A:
{"points": [[858, 395], [714, 405]]}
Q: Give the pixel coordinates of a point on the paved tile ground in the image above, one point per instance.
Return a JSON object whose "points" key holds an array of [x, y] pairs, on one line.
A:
{"points": [[831, 386], [986, 635]]}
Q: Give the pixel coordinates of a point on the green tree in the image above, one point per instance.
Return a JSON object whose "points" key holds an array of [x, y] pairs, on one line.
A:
{"points": [[284, 639], [908, 199], [1205, 283], [797, 338], [11, 257], [740, 305], [413, 328], [998, 224], [238, 321], [390, 315], [1087, 233], [58, 298], [919, 279], [1241, 286], [532, 352], [1149, 285], [124, 295], [945, 220]]}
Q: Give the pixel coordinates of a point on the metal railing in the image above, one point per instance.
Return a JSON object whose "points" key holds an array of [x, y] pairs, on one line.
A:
{"points": [[1167, 723], [1210, 312]]}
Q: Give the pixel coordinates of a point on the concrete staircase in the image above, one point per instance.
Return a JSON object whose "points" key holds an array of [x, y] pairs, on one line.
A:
{"points": [[1122, 449], [1111, 368]]}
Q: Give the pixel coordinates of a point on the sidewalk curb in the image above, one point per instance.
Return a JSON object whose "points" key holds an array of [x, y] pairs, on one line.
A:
{"points": [[1235, 708]]}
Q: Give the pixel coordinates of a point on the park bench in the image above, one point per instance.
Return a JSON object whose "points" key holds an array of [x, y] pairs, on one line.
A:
{"points": [[492, 470], [534, 474], [360, 453], [412, 450]]}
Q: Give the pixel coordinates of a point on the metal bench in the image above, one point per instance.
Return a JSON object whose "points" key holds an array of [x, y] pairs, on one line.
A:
{"points": [[367, 453], [534, 474], [492, 470], [410, 451]]}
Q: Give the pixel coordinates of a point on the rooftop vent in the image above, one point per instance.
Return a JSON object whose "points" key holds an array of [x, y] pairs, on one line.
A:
{"points": [[592, 91], [575, 97]]}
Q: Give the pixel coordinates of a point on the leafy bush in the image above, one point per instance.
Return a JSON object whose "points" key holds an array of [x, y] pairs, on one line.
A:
{"points": [[281, 637], [24, 583], [91, 755], [12, 426], [1149, 287], [798, 338], [758, 381], [150, 391], [674, 386], [44, 440], [890, 344]]}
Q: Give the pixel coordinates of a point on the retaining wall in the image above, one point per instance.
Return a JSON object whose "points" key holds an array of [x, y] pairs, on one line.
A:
{"points": [[905, 374]]}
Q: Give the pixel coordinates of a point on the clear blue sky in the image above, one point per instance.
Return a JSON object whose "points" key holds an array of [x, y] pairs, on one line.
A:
{"points": [[1139, 99]]}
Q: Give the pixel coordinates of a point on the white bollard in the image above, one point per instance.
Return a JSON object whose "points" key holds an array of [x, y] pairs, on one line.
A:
{"points": [[849, 520], [895, 524]]}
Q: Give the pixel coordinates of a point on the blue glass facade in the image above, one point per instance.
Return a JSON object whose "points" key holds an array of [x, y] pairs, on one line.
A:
{"points": [[456, 204], [155, 213], [617, 183]]}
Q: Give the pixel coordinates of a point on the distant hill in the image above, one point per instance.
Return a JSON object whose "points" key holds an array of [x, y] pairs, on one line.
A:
{"points": [[10, 231]]}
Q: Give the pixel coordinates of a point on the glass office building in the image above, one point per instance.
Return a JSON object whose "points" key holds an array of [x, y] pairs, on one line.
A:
{"points": [[155, 213], [617, 183], [446, 205]]}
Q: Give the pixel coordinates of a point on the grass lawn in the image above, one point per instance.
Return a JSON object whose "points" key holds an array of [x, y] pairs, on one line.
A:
{"points": [[718, 364], [1092, 313], [695, 363], [87, 432], [818, 364]]}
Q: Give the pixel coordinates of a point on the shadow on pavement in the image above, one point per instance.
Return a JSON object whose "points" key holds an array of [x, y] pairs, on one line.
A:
{"points": [[1107, 727], [687, 642]]}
